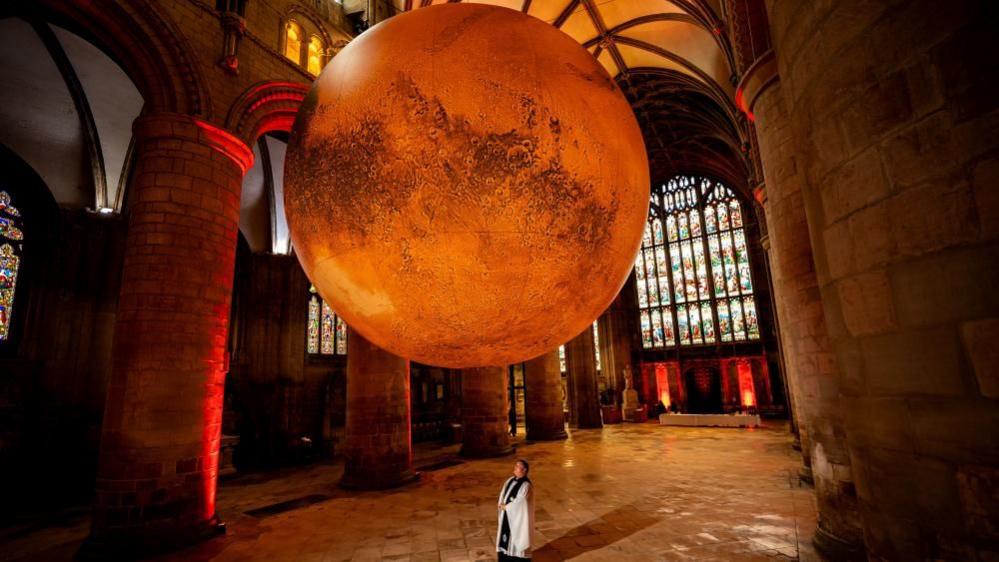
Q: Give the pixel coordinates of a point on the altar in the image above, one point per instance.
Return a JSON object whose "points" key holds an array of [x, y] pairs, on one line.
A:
{"points": [[710, 420]]}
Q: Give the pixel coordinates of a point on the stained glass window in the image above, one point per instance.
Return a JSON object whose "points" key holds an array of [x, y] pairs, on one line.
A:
{"points": [[596, 344], [325, 332], [596, 350], [293, 42], [315, 56], [11, 239], [694, 274]]}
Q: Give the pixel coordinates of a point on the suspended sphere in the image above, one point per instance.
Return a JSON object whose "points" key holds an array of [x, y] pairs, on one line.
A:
{"points": [[466, 186]]}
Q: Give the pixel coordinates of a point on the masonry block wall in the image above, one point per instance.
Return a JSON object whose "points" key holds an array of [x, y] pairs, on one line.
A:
{"points": [[896, 141], [378, 449], [485, 406], [808, 353], [162, 422], [279, 393]]}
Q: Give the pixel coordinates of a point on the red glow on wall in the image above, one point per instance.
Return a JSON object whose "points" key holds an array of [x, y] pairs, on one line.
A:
{"points": [[740, 102], [662, 383], [228, 144], [294, 97], [746, 390], [275, 122]]}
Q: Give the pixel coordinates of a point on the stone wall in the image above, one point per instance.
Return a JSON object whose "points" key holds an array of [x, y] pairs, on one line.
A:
{"points": [[894, 125], [280, 394], [53, 385]]}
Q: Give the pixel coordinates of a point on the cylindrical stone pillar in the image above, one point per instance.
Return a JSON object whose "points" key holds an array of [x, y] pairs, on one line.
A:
{"points": [[543, 407], [812, 371], [161, 431], [485, 406], [893, 122], [617, 324], [792, 392], [378, 450], [584, 400]]}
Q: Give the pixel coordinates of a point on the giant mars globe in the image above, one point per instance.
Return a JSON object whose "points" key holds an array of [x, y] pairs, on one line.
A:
{"points": [[466, 186]]}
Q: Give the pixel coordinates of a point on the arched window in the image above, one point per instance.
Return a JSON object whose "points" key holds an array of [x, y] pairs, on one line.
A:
{"points": [[596, 350], [293, 42], [325, 332], [316, 55], [11, 238], [596, 344], [694, 281]]}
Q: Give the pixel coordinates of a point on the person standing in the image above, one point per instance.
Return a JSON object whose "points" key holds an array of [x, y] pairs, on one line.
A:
{"points": [[516, 515]]}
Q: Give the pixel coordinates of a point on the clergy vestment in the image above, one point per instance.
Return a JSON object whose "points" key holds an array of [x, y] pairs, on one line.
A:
{"points": [[516, 521]]}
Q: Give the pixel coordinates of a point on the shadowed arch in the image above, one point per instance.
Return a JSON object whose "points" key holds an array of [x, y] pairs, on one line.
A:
{"points": [[688, 128], [147, 45]]}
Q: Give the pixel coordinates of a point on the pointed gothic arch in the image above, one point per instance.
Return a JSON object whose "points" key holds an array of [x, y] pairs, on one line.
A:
{"points": [[145, 42]]}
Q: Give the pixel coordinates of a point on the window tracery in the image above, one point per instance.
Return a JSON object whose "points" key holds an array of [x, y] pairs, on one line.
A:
{"points": [[694, 281]]}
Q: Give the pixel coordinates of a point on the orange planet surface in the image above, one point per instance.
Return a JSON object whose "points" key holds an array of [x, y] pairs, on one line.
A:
{"points": [[466, 186]]}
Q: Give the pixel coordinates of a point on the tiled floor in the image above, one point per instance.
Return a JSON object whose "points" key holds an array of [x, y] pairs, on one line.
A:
{"points": [[628, 492]]}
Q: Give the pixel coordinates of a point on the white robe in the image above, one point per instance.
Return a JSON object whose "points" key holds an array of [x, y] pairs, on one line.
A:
{"points": [[520, 516]]}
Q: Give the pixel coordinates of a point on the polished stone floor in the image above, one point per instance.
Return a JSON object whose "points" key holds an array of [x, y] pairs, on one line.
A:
{"points": [[627, 492]]}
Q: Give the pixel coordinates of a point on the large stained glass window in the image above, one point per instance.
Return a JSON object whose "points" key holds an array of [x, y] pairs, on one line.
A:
{"points": [[325, 333], [694, 281], [11, 239]]}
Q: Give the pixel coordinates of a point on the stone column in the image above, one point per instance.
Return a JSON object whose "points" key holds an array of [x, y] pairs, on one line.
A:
{"points": [[894, 128], [580, 361], [617, 324], [812, 371], [485, 405], [162, 422], [543, 379], [790, 386], [378, 450]]}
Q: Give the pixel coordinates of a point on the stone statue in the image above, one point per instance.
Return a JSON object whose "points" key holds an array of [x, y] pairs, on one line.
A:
{"points": [[629, 400]]}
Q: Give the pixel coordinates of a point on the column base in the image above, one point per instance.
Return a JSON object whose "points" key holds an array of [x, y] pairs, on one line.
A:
{"points": [[364, 482], [131, 544], [547, 436], [589, 425], [805, 476], [486, 453], [835, 548]]}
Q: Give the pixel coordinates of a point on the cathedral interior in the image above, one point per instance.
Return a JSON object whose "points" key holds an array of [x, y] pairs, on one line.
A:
{"points": [[301, 279]]}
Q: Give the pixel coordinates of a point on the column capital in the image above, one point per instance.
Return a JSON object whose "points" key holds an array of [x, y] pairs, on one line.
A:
{"points": [[758, 77], [163, 125]]}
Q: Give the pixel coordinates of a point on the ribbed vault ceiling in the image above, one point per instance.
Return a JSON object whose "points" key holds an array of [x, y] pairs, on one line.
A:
{"points": [[672, 61]]}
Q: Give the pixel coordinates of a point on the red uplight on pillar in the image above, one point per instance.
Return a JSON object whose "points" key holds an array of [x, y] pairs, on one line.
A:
{"points": [[746, 389], [662, 383]]}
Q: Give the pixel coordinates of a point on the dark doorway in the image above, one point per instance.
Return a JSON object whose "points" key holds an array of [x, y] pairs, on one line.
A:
{"points": [[703, 386]]}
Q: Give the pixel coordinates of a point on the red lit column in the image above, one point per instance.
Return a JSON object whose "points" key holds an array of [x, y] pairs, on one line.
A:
{"points": [[378, 450], [581, 362], [485, 407], [160, 439], [543, 408]]}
